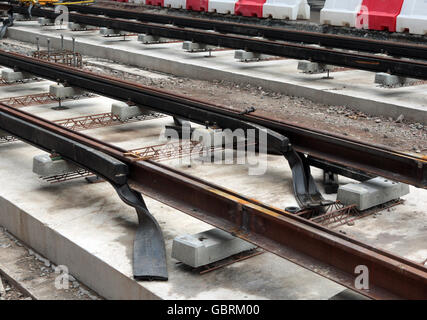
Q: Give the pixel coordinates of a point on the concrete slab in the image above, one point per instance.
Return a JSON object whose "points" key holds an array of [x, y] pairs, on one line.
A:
{"points": [[351, 88], [371, 193], [206, 247]]}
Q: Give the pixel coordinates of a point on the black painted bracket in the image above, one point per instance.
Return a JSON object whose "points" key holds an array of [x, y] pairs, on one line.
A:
{"points": [[306, 192]]}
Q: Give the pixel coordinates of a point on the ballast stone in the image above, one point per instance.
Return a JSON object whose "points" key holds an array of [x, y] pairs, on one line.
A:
{"points": [[371, 193], [45, 166], [207, 247]]}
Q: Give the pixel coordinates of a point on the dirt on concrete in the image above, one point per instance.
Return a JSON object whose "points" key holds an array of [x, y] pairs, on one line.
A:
{"points": [[33, 275]]}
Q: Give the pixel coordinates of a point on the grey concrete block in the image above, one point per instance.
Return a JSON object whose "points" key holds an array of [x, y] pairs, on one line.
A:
{"points": [[12, 76], [371, 193], [61, 92], [125, 112], [389, 80], [313, 67], [243, 55], [208, 137], [45, 22], [106, 32], [44, 165], [76, 26], [194, 46], [148, 38], [206, 247], [19, 17]]}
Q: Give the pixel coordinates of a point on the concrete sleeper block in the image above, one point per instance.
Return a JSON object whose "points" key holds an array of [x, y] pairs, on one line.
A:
{"points": [[110, 32], [371, 193], [207, 247], [194, 46], [313, 67], [389, 80], [148, 38], [61, 92], [45, 166], [125, 112], [12, 76]]}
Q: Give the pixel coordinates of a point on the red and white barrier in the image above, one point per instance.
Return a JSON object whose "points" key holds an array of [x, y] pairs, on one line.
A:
{"points": [[380, 14], [222, 6], [286, 9], [155, 2], [177, 4], [249, 8], [413, 17], [198, 5], [340, 12]]}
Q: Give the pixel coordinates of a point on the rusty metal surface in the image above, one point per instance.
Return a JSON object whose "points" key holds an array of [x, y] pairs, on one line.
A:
{"points": [[305, 243], [374, 159]]}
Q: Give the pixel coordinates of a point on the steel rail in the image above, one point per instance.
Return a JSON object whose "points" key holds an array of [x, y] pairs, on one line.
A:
{"points": [[368, 62], [376, 160], [325, 252], [407, 50]]}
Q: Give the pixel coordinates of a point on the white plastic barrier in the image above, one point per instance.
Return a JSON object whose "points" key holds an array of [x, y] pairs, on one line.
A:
{"points": [[178, 4], [340, 12], [286, 9], [413, 17], [222, 6]]}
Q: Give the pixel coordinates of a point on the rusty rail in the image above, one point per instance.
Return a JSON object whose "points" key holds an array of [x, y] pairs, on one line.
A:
{"points": [[328, 253], [374, 159]]}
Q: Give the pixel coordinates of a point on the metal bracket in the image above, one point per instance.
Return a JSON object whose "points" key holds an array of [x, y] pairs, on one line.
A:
{"points": [[149, 254], [306, 192]]}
